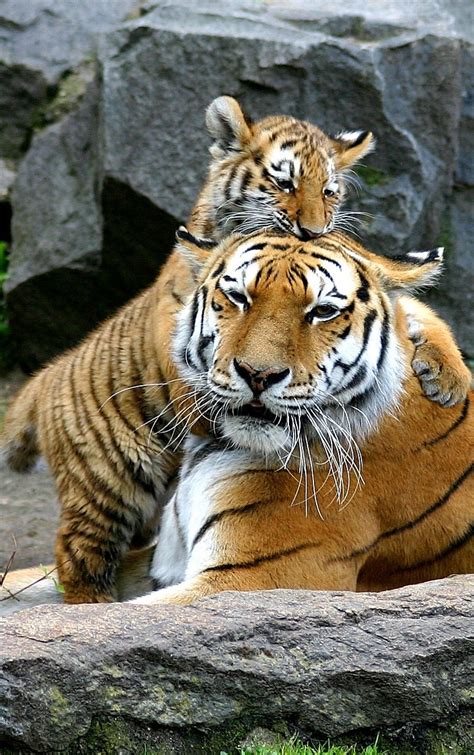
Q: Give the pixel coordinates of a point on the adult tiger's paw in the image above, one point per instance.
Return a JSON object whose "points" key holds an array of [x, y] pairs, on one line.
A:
{"points": [[440, 381]]}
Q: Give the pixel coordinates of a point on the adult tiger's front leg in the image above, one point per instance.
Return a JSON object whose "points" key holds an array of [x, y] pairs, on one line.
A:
{"points": [[314, 574]]}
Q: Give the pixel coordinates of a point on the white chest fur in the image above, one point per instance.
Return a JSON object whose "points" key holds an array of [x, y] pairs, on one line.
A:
{"points": [[186, 545]]}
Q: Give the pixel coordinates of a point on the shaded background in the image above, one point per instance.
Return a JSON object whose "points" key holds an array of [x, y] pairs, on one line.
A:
{"points": [[103, 149]]}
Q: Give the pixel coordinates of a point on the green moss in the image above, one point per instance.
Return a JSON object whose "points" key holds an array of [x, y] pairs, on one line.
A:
{"points": [[110, 736], [372, 176], [59, 706], [67, 96]]}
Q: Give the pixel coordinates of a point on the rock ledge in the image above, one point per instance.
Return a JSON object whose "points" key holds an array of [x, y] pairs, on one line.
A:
{"points": [[321, 663]]}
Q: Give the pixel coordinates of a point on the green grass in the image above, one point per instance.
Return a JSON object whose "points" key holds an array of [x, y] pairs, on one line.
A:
{"points": [[294, 746]]}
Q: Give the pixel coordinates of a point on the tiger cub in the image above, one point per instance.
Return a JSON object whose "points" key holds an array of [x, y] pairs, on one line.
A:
{"points": [[109, 415], [306, 355]]}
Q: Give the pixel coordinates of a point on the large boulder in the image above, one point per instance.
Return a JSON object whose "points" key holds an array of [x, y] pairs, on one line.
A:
{"points": [[403, 72], [196, 679], [40, 42]]}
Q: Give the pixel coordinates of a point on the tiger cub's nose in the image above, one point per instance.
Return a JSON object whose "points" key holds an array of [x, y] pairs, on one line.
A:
{"points": [[258, 380]]}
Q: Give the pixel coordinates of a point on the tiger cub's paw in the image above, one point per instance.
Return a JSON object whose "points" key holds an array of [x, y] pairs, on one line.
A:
{"points": [[440, 382]]}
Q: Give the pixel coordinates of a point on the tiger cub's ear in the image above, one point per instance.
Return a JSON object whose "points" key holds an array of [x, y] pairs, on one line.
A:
{"points": [[195, 250], [412, 271], [351, 146], [229, 126]]}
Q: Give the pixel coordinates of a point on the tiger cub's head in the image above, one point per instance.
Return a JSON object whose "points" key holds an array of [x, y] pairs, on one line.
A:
{"points": [[277, 173], [284, 339]]}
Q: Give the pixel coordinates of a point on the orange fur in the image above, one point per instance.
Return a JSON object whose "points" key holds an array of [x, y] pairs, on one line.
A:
{"points": [[256, 524], [111, 460]]}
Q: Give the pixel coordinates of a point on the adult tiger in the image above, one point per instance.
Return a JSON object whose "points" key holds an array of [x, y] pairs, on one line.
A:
{"points": [[302, 352], [80, 412]]}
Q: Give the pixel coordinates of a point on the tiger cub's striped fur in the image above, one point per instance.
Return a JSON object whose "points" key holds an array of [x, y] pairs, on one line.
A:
{"points": [[108, 445], [304, 351]]}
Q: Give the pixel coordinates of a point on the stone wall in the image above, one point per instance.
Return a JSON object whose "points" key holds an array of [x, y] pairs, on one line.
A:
{"points": [[104, 122]]}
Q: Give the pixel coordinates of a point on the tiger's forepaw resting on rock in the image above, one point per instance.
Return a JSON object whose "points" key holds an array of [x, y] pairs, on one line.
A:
{"points": [[440, 381]]}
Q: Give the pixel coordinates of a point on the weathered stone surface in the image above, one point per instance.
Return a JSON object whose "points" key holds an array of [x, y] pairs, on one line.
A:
{"points": [[82, 245], [325, 663], [454, 298], [401, 70], [41, 40]]}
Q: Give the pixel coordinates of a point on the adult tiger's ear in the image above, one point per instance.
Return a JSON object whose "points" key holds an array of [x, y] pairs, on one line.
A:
{"points": [[410, 272], [194, 249], [228, 124], [351, 146]]}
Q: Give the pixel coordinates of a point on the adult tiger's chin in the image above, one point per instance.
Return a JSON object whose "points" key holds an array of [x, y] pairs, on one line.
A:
{"points": [[262, 437]]}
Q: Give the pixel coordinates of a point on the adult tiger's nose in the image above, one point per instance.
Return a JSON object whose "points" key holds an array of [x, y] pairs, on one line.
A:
{"points": [[258, 380]]}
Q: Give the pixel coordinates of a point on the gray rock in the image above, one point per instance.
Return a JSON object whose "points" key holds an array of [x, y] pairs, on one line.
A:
{"points": [[321, 663], [400, 70], [454, 297], [465, 166], [82, 245], [7, 178], [40, 41]]}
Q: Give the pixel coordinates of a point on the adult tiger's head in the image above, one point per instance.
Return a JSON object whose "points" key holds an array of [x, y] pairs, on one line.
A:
{"points": [[278, 172], [284, 338]]}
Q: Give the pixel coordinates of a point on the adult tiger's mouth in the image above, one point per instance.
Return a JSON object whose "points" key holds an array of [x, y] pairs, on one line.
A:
{"points": [[257, 410]]}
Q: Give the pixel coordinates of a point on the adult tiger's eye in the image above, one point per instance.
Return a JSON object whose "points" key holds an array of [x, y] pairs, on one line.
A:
{"points": [[322, 312], [328, 192]]}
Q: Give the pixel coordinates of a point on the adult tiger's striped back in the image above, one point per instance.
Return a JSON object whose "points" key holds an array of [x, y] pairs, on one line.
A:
{"points": [[306, 355]]}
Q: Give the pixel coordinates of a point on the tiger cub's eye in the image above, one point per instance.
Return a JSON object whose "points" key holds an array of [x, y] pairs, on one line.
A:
{"points": [[284, 184], [236, 297], [328, 192]]}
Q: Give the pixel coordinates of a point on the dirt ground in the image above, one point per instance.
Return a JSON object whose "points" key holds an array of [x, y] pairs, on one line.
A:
{"points": [[28, 504]]}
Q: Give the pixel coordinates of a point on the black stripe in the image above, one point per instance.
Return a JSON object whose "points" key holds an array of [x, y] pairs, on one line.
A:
{"points": [[179, 528], [212, 520], [414, 522], [194, 308], [363, 135], [327, 275], [256, 247], [261, 559], [328, 259], [460, 420], [218, 270], [345, 332], [288, 144], [363, 291], [453, 546], [383, 336], [355, 380], [246, 178], [368, 323], [177, 297], [228, 184]]}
